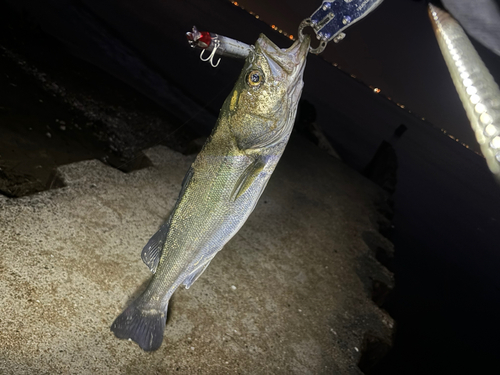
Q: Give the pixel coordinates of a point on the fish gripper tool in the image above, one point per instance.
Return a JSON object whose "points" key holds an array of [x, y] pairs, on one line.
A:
{"points": [[333, 17]]}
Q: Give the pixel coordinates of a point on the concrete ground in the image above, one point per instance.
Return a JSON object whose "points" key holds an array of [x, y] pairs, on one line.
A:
{"points": [[291, 293]]}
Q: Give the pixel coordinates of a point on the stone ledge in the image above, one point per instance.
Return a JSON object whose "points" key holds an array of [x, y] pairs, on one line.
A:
{"points": [[290, 293]]}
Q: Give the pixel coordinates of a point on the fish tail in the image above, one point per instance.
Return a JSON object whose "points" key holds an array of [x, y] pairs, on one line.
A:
{"points": [[142, 324]]}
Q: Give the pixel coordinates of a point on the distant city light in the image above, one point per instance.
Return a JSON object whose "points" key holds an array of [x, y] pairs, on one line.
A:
{"points": [[376, 90], [291, 37]]}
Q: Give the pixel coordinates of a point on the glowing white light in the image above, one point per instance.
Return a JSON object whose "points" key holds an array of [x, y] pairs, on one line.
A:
{"points": [[455, 57], [495, 142], [480, 108], [474, 99], [462, 69], [486, 118], [490, 130], [471, 90], [459, 63], [464, 75], [467, 82]]}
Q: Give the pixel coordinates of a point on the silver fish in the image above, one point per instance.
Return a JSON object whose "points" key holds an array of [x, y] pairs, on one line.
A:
{"points": [[222, 186], [476, 87]]}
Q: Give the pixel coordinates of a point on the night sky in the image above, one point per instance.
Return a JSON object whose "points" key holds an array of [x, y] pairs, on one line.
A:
{"points": [[394, 49]]}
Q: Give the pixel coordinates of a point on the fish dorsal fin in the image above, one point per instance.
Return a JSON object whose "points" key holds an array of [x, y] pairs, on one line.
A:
{"points": [[247, 178], [152, 252]]}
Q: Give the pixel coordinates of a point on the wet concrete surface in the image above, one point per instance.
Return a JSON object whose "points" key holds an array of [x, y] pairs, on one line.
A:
{"points": [[290, 293]]}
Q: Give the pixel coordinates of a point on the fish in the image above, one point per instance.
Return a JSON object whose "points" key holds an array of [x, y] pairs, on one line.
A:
{"points": [[223, 184], [475, 86]]}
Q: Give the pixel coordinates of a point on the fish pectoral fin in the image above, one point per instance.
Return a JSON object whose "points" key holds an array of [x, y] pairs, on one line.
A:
{"points": [[195, 274], [247, 178]]}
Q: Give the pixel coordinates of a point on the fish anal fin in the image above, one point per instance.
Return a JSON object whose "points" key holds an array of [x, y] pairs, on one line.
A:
{"points": [[247, 178], [194, 275]]}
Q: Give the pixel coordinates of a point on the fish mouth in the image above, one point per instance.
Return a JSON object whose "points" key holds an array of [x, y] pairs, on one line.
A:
{"points": [[291, 59]]}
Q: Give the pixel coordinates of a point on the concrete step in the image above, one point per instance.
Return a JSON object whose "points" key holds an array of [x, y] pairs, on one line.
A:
{"points": [[291, 293]]}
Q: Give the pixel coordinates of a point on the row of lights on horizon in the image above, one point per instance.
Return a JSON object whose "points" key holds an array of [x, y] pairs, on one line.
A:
{"points": [[376, 90], [274, 27]]}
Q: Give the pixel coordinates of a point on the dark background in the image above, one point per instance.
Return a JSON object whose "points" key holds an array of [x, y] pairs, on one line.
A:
{"points": [[446, 204]]}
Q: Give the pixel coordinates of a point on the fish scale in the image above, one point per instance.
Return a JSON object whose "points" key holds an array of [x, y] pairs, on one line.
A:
{"points": [[223, 184]]}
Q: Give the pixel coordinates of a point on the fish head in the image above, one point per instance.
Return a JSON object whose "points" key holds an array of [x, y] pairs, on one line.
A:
{"points": [[264, 101]]}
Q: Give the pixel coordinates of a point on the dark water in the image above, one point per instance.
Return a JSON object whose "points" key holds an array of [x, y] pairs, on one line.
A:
{"points": [[447, 298], [447, 206]]}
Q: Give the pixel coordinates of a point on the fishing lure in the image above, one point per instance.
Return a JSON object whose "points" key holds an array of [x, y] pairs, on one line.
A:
{"points": [[328, 23], [219, 44]]}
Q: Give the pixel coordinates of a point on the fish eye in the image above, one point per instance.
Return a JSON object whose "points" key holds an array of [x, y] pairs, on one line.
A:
{"points": [[255, 78]]}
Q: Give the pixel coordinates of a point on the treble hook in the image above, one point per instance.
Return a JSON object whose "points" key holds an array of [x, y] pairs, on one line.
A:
{"points": [[217, 44], [211, 56]]}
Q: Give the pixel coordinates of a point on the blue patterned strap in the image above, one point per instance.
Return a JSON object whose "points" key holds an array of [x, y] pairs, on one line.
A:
{"points": [[334, 16]]}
